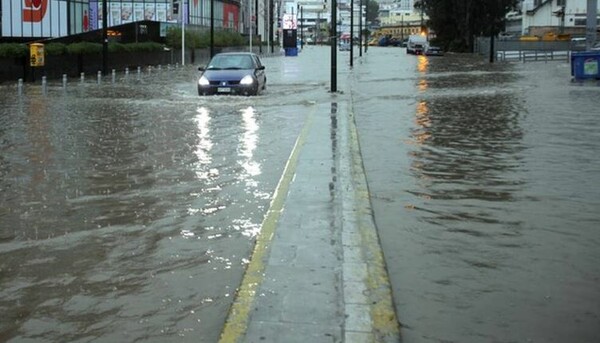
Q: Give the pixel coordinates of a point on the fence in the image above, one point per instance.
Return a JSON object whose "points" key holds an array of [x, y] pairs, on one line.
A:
{"points": [[527, 51]]}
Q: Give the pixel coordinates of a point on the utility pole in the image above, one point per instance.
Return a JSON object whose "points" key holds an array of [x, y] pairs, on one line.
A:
{"points": [[351, 33], [181, 4], [367, 25], [271, 24], [212, 28], [592, 23], [301, 28], [105, 37], [333, 35], [360, 29], [256, 26]]}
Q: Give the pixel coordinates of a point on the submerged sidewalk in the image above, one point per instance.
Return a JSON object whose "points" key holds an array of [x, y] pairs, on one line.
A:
{"points": [[317, 272]]}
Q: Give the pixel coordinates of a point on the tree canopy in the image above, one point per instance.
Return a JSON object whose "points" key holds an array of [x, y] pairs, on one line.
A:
{"points": [[456, 22], [372, 10]]}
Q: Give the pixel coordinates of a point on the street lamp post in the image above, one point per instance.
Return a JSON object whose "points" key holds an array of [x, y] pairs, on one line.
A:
{"points": [[301, 28], [367, 25], [360, 28], [212, 28], [333, 43], [351, 32]]}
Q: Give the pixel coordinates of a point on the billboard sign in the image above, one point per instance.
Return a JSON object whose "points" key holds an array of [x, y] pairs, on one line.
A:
{"points": [[34, 18], [289, 22]]}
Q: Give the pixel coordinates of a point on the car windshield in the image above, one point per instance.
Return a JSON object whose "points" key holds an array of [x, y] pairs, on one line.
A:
{"points": [[231, 62]]}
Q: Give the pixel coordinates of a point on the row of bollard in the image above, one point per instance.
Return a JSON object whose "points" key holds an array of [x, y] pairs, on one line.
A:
{"points": [[98, 77]]}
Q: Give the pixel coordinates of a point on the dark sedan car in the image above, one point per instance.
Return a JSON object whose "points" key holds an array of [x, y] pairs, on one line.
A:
{"points": [[434, 51], [233, 73]]}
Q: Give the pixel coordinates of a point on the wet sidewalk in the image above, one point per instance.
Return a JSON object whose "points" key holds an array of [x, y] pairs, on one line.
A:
{"points": [[317, 272]]}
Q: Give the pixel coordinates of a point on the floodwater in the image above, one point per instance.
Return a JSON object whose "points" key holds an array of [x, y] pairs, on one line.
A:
{"points": [[128, 210], [485, 181]]}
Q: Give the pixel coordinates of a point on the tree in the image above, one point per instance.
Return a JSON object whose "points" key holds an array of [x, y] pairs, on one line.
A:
{"points": [[373, 10], [456, 22]]}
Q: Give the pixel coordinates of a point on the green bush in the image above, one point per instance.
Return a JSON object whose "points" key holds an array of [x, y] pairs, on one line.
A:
{"points": [[84, 48], [117, 47], [55, 49], [13, 50], [145, 47]]}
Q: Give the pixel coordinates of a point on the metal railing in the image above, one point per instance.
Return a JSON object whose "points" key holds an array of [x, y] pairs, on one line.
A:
{"points": [[527, 51]]}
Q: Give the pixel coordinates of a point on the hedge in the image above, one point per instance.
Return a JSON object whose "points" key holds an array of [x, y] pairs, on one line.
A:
{"points": [[9, 50]]}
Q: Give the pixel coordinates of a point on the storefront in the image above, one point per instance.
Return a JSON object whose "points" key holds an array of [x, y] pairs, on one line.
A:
{"points": [[58, 18]]}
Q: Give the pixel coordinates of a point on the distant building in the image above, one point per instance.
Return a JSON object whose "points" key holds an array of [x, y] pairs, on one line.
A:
{"points": [[538, 17]]}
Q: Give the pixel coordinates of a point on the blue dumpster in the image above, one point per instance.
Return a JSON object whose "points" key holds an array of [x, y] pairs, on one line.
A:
{"points": [[291, 51], [585, 65]]}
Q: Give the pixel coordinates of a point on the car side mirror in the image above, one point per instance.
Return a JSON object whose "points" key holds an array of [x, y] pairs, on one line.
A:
{"points": [[201, 68]]}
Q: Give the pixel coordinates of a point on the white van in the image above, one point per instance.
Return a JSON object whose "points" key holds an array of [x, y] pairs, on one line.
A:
{"points": [[416, 44]]}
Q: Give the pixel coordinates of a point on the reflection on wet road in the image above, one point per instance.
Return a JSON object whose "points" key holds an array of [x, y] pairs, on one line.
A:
{"points": [[128, 211], [484, 183]]}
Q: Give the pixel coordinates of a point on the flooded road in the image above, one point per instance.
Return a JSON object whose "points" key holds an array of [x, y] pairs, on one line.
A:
{"points": [[484, 180], [128, 210]]}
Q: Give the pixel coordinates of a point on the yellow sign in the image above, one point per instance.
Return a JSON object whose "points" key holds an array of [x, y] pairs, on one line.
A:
{"points": [[36, 55]]}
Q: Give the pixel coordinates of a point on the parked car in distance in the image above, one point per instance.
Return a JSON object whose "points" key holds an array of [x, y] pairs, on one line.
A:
{"points": [[416, 44], [344, 46], [433, 51], [233, 73]]}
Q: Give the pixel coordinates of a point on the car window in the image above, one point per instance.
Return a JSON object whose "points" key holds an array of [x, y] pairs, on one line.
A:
{"points": [[257, 61], [232, 62], [247, 62]]}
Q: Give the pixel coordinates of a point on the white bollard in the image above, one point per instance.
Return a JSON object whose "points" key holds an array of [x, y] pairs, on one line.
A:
{"points": [[149, 70], [114, 76], [82, 77], [64, 80], [127, 72], [20, 86], [139, 72], [159, 68], [99, 77], [44, 84]]}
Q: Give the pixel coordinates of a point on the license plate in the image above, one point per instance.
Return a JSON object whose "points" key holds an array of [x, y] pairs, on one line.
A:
{"points": [[223, 89]]}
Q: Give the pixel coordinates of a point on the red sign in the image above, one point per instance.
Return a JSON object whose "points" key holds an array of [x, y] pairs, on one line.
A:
{"points": [[34, 10]]}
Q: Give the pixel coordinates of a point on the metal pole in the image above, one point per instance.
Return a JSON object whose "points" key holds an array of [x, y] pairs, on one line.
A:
{"points": [[492, 55], [256, 26], [182, 18], [333, 35], [271, 23], [351, 32], [360, 28], [301, 27], [212, 28], [367, 25], [592, 23], [105, 37]]}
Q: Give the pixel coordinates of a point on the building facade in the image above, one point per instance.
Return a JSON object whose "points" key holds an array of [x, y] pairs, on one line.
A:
{"points": [[58, 18]]}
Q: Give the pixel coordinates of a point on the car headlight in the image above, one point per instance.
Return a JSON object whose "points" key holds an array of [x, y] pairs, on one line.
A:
{"points": [[247, 80], [203, 81]]}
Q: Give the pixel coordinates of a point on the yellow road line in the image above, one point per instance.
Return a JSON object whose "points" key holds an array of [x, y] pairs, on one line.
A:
{"points": [[384, 323], [239, 314]]}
